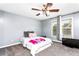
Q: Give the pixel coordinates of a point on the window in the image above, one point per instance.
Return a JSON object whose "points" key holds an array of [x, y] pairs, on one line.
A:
{"points": [[67, 28], [54, 28], [62, 28]]}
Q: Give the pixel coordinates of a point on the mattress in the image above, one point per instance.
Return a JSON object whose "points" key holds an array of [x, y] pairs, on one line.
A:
{"points": [[36, 46]]}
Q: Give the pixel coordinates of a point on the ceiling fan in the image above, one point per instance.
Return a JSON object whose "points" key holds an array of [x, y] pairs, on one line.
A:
{"points": [[45, 9]]}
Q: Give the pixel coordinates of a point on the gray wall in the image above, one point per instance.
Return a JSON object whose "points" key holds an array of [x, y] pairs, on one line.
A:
{"points": [[46, 25], [13, 27]]}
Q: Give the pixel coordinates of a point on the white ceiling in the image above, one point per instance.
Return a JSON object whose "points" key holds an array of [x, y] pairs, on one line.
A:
{"points": [[24, 9]]}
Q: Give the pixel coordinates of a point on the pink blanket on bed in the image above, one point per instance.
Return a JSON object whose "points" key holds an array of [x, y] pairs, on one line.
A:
{"points": [[37, 40]]}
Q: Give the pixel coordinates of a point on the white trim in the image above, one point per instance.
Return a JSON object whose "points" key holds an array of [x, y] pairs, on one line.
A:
{"points": [[10, 45], [57, 41], [60, 34], [72, 28]]}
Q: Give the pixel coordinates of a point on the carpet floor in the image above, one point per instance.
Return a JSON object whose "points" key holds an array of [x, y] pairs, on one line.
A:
{"points": [[57, 49]]}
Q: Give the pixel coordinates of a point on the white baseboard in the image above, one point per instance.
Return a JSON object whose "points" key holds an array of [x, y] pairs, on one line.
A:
{"points": [[57, 41], [10, 45]]}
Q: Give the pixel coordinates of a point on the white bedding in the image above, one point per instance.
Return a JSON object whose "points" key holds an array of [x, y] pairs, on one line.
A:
{"points": [[35, 47]]}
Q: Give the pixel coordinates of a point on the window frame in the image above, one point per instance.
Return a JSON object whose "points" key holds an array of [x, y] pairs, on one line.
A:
{"points": [[67, 18], [60, 26], [52, 24]]}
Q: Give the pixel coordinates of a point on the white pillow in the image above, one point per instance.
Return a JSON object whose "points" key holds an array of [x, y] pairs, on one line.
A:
{"points": [[32, 35]]}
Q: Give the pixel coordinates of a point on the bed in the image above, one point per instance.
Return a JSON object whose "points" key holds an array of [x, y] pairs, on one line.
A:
{"points": [[36, 44]]}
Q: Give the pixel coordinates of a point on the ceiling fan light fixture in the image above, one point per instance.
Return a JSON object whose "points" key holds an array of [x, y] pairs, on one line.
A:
{"points": [[46, 9], [48, 13]]}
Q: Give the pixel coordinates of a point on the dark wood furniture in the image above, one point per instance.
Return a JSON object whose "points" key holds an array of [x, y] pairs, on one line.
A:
{"points": [[70, 42], [26, 33]]}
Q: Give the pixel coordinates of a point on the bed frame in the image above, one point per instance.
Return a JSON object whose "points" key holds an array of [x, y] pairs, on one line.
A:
{"points": [[39, 49]]}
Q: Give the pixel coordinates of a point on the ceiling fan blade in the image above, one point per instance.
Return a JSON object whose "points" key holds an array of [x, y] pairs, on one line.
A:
{"points": [[38, 14], [54, 10], [36, 9], [49, 4]]}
